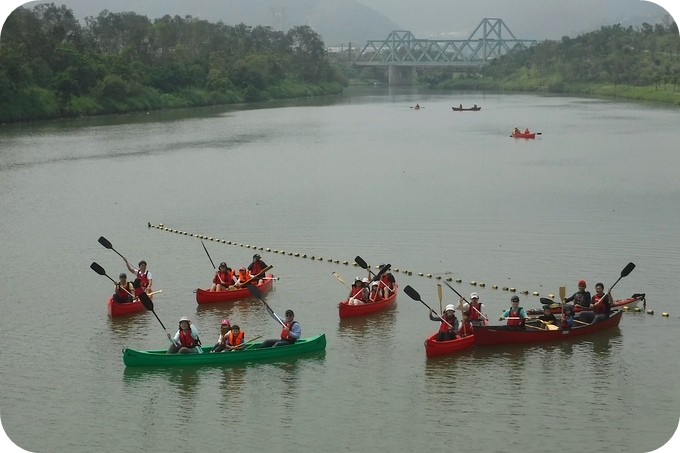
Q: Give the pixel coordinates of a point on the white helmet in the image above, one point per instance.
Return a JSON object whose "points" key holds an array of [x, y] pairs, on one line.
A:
{"points": [[450, 307]]}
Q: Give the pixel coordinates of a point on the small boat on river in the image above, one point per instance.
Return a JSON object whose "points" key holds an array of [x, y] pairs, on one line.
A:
{"points": [[523, 135], [346, 310], [499, 335], [203, 296], [462, 109], [630, 303], [251, 353], [434, 348], [125, 308]]}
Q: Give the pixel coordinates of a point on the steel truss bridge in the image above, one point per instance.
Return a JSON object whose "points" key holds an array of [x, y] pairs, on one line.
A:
{"points": [[402, 52]]}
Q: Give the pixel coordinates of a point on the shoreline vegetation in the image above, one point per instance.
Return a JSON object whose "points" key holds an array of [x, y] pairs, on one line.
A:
{"points": [[52, 67]]}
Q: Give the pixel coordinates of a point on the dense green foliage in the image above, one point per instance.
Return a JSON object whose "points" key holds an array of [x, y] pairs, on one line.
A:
{"points": [[614, 61], [52, 66]]}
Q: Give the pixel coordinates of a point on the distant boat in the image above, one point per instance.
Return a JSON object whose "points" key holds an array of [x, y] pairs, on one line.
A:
{"points": [[471, 109]]}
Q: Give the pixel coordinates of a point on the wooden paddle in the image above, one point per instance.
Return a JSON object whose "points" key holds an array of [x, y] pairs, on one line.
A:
{"points": [[341, 280], [100, 270], [148, 304], [413, 294], [439, 293], [255, 291], [255, 277]]}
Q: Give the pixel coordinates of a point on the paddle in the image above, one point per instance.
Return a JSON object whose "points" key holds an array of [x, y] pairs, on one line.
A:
{"points": [[439, 293], [362, 264], [256, 276], [148, 304], [255, 291], [624, 273], [211, 261], [249, 345], [100, 270], [413, 294], [469, 304], [341, 280], [105, 242], [563, 295]]}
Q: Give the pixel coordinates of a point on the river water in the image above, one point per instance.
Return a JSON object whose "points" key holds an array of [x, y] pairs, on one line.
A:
{"points": [[430, 191]]}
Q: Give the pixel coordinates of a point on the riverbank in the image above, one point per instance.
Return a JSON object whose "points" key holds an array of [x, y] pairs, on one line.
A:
{"points": [[668, 94], [36, 104]]}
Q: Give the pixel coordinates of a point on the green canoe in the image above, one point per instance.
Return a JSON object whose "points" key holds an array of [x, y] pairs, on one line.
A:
{"points": [[158, 357]]}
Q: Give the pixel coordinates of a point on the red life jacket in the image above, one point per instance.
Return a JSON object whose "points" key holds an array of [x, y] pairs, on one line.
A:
{"points": [[256, 267], [143, 277], [186, 340], [374, 296], [465, 328], [385, 281], [473, 314], [235, 341], [357, 292], [224, 276], [443, 327], [121, 291], [284, 335], [516, 321]]}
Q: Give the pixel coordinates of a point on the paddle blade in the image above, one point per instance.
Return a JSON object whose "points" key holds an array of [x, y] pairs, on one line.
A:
{"points": [[439, 292], [105, 242], [563, 293], [254, 290], [627, 270], [362, 264], [384, 269], [97, 268], [146, 301], [412, 293]]}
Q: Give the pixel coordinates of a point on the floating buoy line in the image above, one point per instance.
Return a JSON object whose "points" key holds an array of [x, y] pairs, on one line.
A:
{"points": [[162, 227]]}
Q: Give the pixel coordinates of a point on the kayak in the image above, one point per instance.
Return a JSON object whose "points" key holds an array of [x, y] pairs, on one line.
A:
{"points": [[159, 357], [435, 348], [471, 109], [203, 296], [346, 310], [522, 135], [497, 335], [631, 302], [121, 309]]}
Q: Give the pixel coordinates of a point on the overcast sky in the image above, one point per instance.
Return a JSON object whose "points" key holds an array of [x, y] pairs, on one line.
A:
{"points": [[527, 19], [533, 19]]}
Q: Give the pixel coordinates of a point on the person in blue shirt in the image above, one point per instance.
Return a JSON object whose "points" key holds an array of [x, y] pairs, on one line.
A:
{"points": [[515, 315]]}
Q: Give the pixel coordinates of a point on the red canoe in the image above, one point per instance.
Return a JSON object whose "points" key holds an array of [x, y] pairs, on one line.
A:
{"points": [[347, 310], [496, 335], [118, 309], [631, 302], [532, 135], [433, 348], [204, 296]]}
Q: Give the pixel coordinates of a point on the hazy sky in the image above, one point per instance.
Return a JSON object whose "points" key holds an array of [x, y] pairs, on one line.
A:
{"points": [[528, 19], [533, 19]]}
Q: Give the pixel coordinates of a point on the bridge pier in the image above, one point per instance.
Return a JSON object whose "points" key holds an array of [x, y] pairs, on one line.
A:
{"points": [[401, 75]]}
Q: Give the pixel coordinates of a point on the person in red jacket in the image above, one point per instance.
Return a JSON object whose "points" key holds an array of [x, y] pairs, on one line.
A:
{"points": [[290, 332], [465, 325], [224, 278], [186, 340], [257, 265]]}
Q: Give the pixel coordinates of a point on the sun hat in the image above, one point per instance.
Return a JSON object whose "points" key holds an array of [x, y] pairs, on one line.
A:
{"points": [[450, 307], [184, 318], [225, 322], [290, 312], [242, 269], [474, 296], [514, 299], [223, 264], [256, 256], [365, 280]]}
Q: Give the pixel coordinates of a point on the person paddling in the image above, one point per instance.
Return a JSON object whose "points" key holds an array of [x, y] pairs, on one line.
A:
{"points": [[123, 290], [449, 323], [142, 273], [290, 332], [186, 340]]}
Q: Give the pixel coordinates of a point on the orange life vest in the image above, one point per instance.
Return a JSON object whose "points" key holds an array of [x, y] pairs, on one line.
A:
{"points": [[284, 334], [237, 340]]}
